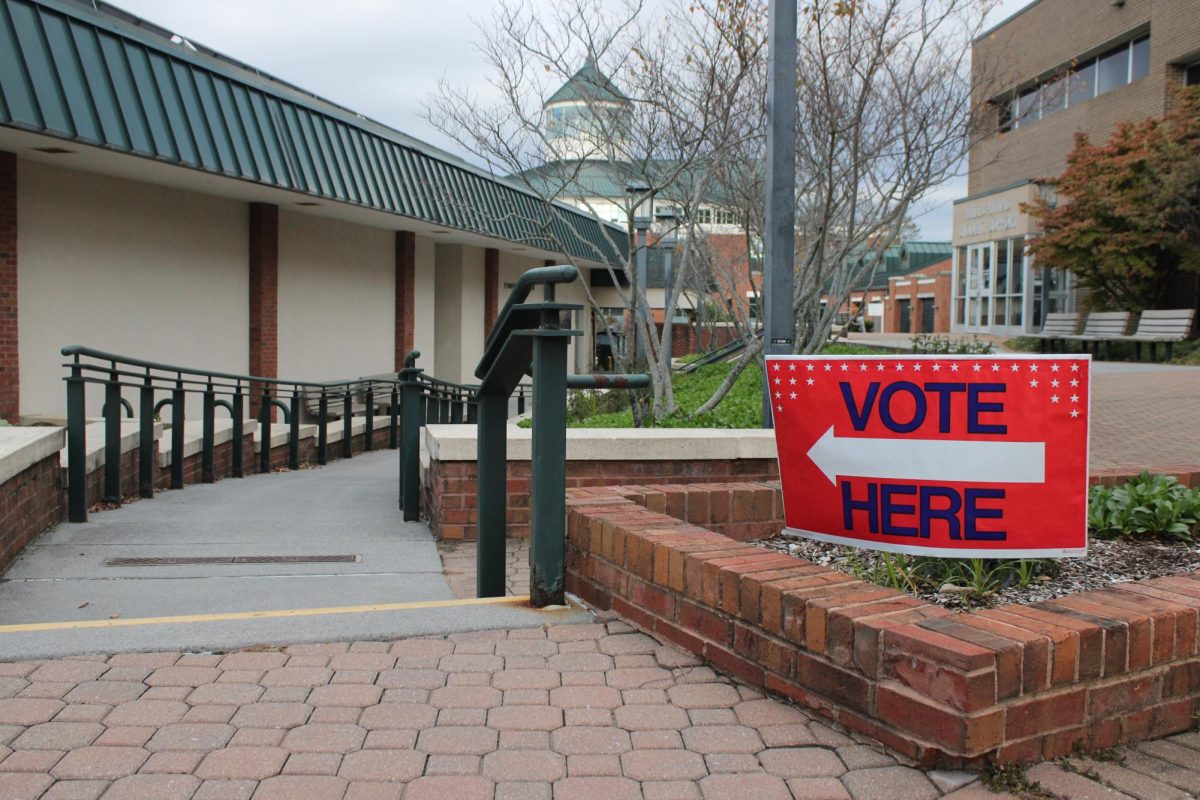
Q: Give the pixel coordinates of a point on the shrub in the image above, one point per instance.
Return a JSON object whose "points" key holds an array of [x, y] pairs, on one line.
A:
{"points": [[1149, 505]]}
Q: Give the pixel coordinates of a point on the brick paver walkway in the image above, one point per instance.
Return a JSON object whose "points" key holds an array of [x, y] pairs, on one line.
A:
{"points": [[1145, 421], [596, 712], [459, 566]]}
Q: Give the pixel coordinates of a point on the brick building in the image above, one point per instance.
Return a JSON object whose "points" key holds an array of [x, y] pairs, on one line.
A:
{"points": [[1055, 68]]}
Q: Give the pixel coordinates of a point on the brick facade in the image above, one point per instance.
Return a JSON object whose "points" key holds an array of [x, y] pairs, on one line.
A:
{"points": [[30, 502], [406, 280], [927, 285], [10, 372], [264, 295], [448, 496], [491, 288], [1014, 683]]}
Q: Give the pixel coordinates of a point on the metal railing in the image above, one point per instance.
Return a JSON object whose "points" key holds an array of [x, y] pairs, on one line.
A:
{"points": [[165, 388]]}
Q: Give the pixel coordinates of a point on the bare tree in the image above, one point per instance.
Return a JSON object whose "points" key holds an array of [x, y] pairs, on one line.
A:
{"points": [[688, 73], [884, 116]]}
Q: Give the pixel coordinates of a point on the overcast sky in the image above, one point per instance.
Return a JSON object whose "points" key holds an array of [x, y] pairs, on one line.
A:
{"points": [[382, 58]]}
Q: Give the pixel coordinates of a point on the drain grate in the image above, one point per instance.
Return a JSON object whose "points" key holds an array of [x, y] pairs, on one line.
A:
{"points": [[179, 561]]}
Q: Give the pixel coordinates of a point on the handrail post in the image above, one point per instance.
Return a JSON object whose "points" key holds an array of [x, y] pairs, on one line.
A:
{"points": [[547, 501], [178, 402], [146, 463], [323, 428], [265, 412], [456, 407], [347, 423], [410, 445], [393, 421], [239, 433], [208, 436], [77, 504], [294, 430], [490, 495], [112, 438], [369, 420]]}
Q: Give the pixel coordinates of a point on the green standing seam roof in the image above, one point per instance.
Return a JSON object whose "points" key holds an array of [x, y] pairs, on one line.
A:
{"points": [[588, 83], [80, 74]]}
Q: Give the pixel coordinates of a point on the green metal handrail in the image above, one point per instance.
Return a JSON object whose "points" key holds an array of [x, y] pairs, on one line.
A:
{"points": [[226, 390]]}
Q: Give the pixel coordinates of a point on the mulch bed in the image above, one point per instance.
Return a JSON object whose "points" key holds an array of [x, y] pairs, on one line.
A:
{"points": [[1108, 562]]}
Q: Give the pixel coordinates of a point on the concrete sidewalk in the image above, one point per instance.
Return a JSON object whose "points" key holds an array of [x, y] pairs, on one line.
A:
{"points": [[348, 508], [573, 712]]}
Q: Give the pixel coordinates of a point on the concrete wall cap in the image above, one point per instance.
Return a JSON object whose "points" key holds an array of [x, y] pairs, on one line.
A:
{"points": [[458, 443], [21, 448]]}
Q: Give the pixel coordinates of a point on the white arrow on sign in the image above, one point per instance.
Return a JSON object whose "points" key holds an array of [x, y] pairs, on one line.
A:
{"points": [[929, 459]]}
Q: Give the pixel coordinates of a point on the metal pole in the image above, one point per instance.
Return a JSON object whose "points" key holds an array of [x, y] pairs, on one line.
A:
{"points": [[547, 500], [208, 437], [779, 245], [347, 424], [178, 406], [490, 495], [410, 450], [112, 440], [640, 306], [239, 432], [146, 463], [323, 428], [369, 420], [294, 430], [76, 446], [668, 313]]}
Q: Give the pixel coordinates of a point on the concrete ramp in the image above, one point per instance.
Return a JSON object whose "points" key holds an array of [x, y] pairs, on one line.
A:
{"points": [[305, 556]]}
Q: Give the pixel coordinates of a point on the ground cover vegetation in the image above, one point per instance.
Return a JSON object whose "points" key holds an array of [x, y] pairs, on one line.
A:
{"points": [[1124, 217], [1147, 527]]}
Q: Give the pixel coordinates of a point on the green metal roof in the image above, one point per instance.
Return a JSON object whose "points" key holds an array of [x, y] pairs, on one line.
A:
{"points": [[588, 84], [100, 76], [901, 259], [602, 178]]}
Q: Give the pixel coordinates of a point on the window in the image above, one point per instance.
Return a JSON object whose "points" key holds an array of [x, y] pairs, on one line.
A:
{"points": [[1081, 84], [704, 216], [726, 217], [1139, 60], [1087, 79], [1191, 75], [1113, 71]]}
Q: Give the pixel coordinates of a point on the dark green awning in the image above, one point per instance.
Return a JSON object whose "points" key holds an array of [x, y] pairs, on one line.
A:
{"points": [[71, 71]]}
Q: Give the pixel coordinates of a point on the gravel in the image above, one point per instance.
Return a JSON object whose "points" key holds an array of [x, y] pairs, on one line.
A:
{"points": [[1107, 562]]}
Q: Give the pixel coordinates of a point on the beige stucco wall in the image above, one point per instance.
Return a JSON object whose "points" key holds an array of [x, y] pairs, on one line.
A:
{"points": [[458, 323], [337, 284], [126, 267]]}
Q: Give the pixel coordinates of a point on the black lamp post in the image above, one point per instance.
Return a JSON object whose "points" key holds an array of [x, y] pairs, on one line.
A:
{"points": [[641, 227], [666, 218]]}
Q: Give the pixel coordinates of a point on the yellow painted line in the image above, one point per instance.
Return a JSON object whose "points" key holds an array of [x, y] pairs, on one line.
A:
{"points": [[281, 613]]}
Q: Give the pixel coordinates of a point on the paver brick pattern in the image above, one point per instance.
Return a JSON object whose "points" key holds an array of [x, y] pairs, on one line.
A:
{"points": [[596, 712]]}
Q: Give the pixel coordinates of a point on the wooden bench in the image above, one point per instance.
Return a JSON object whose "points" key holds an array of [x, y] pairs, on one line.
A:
{"points": [[1167, 326], [1058, 325], [1102, 328]]}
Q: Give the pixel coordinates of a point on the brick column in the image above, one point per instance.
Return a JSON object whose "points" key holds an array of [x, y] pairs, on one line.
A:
{"points": [[10, 371], [406, 278], [264, 295], [491, 288]]}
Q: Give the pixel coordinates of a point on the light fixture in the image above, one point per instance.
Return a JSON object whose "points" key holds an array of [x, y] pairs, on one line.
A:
{"points": [[54, 151], [307, 203]]}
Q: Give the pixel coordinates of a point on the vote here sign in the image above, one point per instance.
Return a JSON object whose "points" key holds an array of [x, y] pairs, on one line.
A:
{"points": [[953, 456]]}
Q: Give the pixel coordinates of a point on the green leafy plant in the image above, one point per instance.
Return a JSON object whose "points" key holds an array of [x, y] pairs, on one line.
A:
{"points": [[1147, 506]]}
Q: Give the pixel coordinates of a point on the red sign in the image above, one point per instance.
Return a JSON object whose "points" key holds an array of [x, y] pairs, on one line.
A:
{"points": [[952, 456]]}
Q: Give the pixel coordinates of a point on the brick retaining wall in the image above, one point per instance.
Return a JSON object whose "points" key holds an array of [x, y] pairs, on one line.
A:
{"points": [[448, 494], [30, 502], [1010, 684]]}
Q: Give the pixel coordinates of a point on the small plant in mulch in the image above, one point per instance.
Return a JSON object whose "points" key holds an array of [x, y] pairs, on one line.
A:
{"points": [[1146, 528], [1014, 779]]}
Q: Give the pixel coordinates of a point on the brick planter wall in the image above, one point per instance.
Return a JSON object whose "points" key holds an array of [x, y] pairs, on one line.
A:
{"points": [[1006, 684], [448, 494], [30, 502]]}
